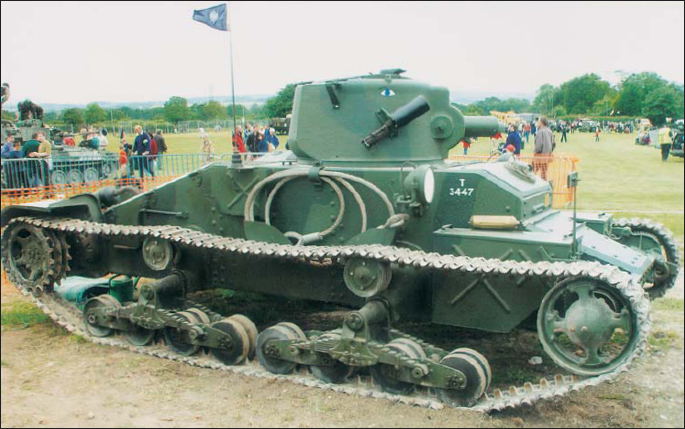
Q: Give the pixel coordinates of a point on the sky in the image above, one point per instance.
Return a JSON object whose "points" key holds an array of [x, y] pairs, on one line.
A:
{"points": [[79, 52]]}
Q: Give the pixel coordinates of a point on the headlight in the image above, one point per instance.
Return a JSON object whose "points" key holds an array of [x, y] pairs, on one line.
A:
{"points": [[420, 184]]}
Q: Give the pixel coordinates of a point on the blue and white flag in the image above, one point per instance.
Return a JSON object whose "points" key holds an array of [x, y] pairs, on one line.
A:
{"points": [[216, 17]]}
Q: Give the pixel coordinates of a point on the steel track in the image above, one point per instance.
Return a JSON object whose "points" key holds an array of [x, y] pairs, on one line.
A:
{"points": [[69, 317]]}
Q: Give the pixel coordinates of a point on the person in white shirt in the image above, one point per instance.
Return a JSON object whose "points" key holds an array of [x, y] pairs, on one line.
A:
{"points": [[102, 138]]}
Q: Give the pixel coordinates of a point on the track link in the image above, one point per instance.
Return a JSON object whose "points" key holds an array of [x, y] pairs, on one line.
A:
{"points": [[666, 237], [70, 318]]}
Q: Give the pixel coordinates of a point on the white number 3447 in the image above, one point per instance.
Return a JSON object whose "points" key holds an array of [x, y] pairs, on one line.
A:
{"points": [[461, 192]]}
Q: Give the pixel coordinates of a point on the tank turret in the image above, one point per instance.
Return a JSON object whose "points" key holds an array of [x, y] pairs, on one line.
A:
{"points": [[395, 119]]}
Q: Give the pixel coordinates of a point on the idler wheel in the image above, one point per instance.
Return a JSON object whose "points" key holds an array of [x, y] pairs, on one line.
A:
{"points": [[336, 372], [234, 350], [251, 330], [386, 375], [90, 314], [476, 381], [587, 326], [268, 353], [179, 340]]}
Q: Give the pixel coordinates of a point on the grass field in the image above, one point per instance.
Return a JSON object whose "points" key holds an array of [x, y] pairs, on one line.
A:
{"points": [[616, 175]]}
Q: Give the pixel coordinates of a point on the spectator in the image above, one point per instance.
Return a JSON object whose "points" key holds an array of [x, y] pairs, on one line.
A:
{"points": [[238, 144], [103, 142], [90, 139], [123, 160], [15, 171], [514, 139], [507, 153], [8, 147], [272, 140], [533, 129], [207, 148], [68, 140], [37, 149], [251, 141], [467, 145], [248, 131], [152, 157], [665, 142], [544, 146], [161, 148], [564, 138], [527, 129], [260, 142], [496, 141], [141, 148]]}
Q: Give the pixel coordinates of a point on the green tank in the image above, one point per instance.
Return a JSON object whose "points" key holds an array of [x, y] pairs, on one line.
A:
{"points": [[70, 164], [364, 212]]}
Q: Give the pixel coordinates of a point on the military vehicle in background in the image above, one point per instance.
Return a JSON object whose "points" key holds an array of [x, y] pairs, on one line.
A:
{"points": [[70, 164], [281, 125], [364, 212], [508, 118], [677, 136]]}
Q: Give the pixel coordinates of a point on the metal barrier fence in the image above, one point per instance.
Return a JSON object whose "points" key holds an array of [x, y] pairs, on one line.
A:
{"points": [[552, 168], [33, 179], [30, 180]]}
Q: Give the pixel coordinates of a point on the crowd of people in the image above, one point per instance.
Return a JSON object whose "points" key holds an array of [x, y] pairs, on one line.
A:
{"points": [[35, 168], [143, 155], [518, 135], [255, 139]]}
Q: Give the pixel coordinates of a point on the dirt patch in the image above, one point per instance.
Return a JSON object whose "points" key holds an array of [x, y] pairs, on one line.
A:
{"points": [[53, 379]]}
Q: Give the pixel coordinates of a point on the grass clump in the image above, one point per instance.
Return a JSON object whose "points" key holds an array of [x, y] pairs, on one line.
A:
{"points": [[20, 313]]}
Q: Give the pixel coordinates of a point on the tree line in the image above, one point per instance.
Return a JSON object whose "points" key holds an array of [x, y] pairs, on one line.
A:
{"points": [[637, 95]]}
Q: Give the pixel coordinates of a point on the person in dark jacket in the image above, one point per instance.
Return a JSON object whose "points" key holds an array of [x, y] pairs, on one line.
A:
{"points": [[514, 139], [141, 148], [161, 148]]}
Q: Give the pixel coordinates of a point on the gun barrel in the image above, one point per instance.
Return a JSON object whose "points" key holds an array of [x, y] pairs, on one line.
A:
{"points": [[410, 111], [482, 126]]}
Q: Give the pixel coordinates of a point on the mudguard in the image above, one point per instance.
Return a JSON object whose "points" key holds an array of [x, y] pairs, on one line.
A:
{"points": [[84, 206]]}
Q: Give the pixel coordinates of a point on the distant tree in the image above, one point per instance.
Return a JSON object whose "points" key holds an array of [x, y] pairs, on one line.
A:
{"points": [[634, 90], [545, 101], [212, 110], [489, 104], [176, 109], [664, 102], [474, 110], [240, 110], [94, 114], [461, 107], [73, 117], [120, 114], [559, 111], [280, 105], [258, 111], [581, 93]]}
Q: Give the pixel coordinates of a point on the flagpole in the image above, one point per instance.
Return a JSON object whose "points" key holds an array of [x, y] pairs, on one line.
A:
{"points": [[230, 46]]}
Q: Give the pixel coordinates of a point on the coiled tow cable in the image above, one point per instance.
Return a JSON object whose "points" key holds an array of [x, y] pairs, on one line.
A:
{"points": [[330, 178]]}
